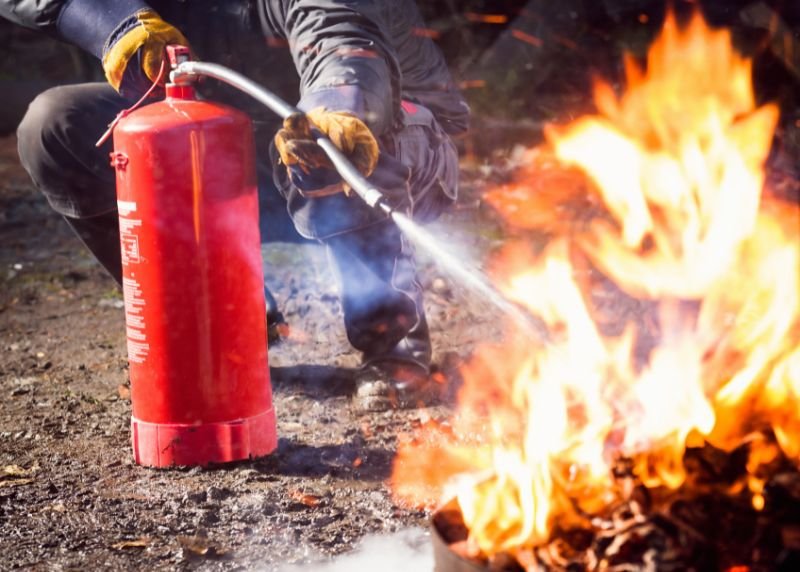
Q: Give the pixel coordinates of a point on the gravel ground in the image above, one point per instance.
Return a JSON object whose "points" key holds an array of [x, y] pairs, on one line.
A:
{"points": [[71, 496]]}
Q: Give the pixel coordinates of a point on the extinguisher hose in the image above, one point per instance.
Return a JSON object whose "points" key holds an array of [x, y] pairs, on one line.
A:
{"points": [[473, 278], [352, 176]]}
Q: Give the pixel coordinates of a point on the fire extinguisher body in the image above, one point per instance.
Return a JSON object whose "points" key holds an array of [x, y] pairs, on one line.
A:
{"points": [[193, 283]]}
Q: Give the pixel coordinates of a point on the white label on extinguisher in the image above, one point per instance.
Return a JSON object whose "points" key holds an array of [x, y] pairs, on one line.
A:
{"points": [[138, 348], [129, 241], [126, 207]]}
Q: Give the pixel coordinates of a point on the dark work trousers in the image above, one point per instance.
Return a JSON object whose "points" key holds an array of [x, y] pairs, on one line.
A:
{"points": [[381, 298]]}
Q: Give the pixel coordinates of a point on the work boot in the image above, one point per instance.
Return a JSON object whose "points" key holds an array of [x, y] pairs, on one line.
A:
{"points": [[399, 379], [390, 384], [277, 328]]}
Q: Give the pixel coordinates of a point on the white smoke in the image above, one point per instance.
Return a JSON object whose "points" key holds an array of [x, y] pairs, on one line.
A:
{"points": [[405, 551]]}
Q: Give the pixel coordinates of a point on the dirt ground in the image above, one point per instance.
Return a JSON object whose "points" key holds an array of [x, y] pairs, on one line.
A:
{"points": [[71, 497]]}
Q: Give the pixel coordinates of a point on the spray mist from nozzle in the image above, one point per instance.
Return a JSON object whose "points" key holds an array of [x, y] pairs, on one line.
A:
{"points": [[469, 277], [472, 278]]}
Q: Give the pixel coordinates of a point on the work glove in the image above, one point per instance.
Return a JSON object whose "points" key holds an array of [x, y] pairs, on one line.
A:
{"points": [[310, 169], [133, 55]]}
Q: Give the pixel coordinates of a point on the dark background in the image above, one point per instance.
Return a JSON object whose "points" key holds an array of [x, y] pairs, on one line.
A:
{"points": [[513, 84]]}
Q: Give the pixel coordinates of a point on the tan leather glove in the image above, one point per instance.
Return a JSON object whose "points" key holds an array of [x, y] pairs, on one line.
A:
{"points": [[298, 149], [144, 43]]}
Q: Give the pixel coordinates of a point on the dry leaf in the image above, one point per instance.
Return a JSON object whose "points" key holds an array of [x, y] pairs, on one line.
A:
{"points": [[142, 542], [14, 475], [124, 392], [305, 499], [194, 544], [201, 546], [15, 483], [14, 471]]}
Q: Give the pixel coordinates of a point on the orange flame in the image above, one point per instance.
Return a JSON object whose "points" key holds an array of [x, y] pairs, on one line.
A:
{"points": [[659, 194]]}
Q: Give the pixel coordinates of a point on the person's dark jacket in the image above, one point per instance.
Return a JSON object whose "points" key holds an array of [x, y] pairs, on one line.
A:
{"points": [[363, 55]]}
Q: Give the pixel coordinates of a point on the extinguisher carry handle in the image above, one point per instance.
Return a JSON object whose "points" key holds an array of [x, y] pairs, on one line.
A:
{"points": [[177, 54]]}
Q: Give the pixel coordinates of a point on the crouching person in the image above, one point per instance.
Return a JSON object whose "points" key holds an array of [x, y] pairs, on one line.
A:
{"points": [[380, 91]]}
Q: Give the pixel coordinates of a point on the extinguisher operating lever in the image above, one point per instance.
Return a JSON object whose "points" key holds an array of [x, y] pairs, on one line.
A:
{"points": [[185, 70]]}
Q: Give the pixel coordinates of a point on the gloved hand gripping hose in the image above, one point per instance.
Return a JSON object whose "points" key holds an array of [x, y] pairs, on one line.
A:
{"points": [[187, 70]]}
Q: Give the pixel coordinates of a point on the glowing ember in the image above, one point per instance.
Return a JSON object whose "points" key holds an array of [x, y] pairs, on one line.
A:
{"points": [[659, 194]]}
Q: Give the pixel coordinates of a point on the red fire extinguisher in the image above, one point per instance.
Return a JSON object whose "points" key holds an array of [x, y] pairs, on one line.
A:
{"points": [[193, 283]]}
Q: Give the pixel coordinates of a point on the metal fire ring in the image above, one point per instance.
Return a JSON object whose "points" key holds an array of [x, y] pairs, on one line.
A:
{"points": [[445, 560]]}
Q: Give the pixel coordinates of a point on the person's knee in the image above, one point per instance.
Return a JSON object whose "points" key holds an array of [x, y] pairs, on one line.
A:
{"points": [[56, 144], [40, 133]]}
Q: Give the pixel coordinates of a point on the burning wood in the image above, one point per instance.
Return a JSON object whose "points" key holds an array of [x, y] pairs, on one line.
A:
{"points": [[658, 436], [707, 524]]}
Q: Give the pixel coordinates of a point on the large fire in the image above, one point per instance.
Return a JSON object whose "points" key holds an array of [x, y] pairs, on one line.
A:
{"points": [[660, 195]]}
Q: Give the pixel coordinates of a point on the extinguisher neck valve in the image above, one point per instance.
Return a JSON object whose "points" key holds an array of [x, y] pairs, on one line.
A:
{"points": [[180, 91], [181, 79], [177, 55]]}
